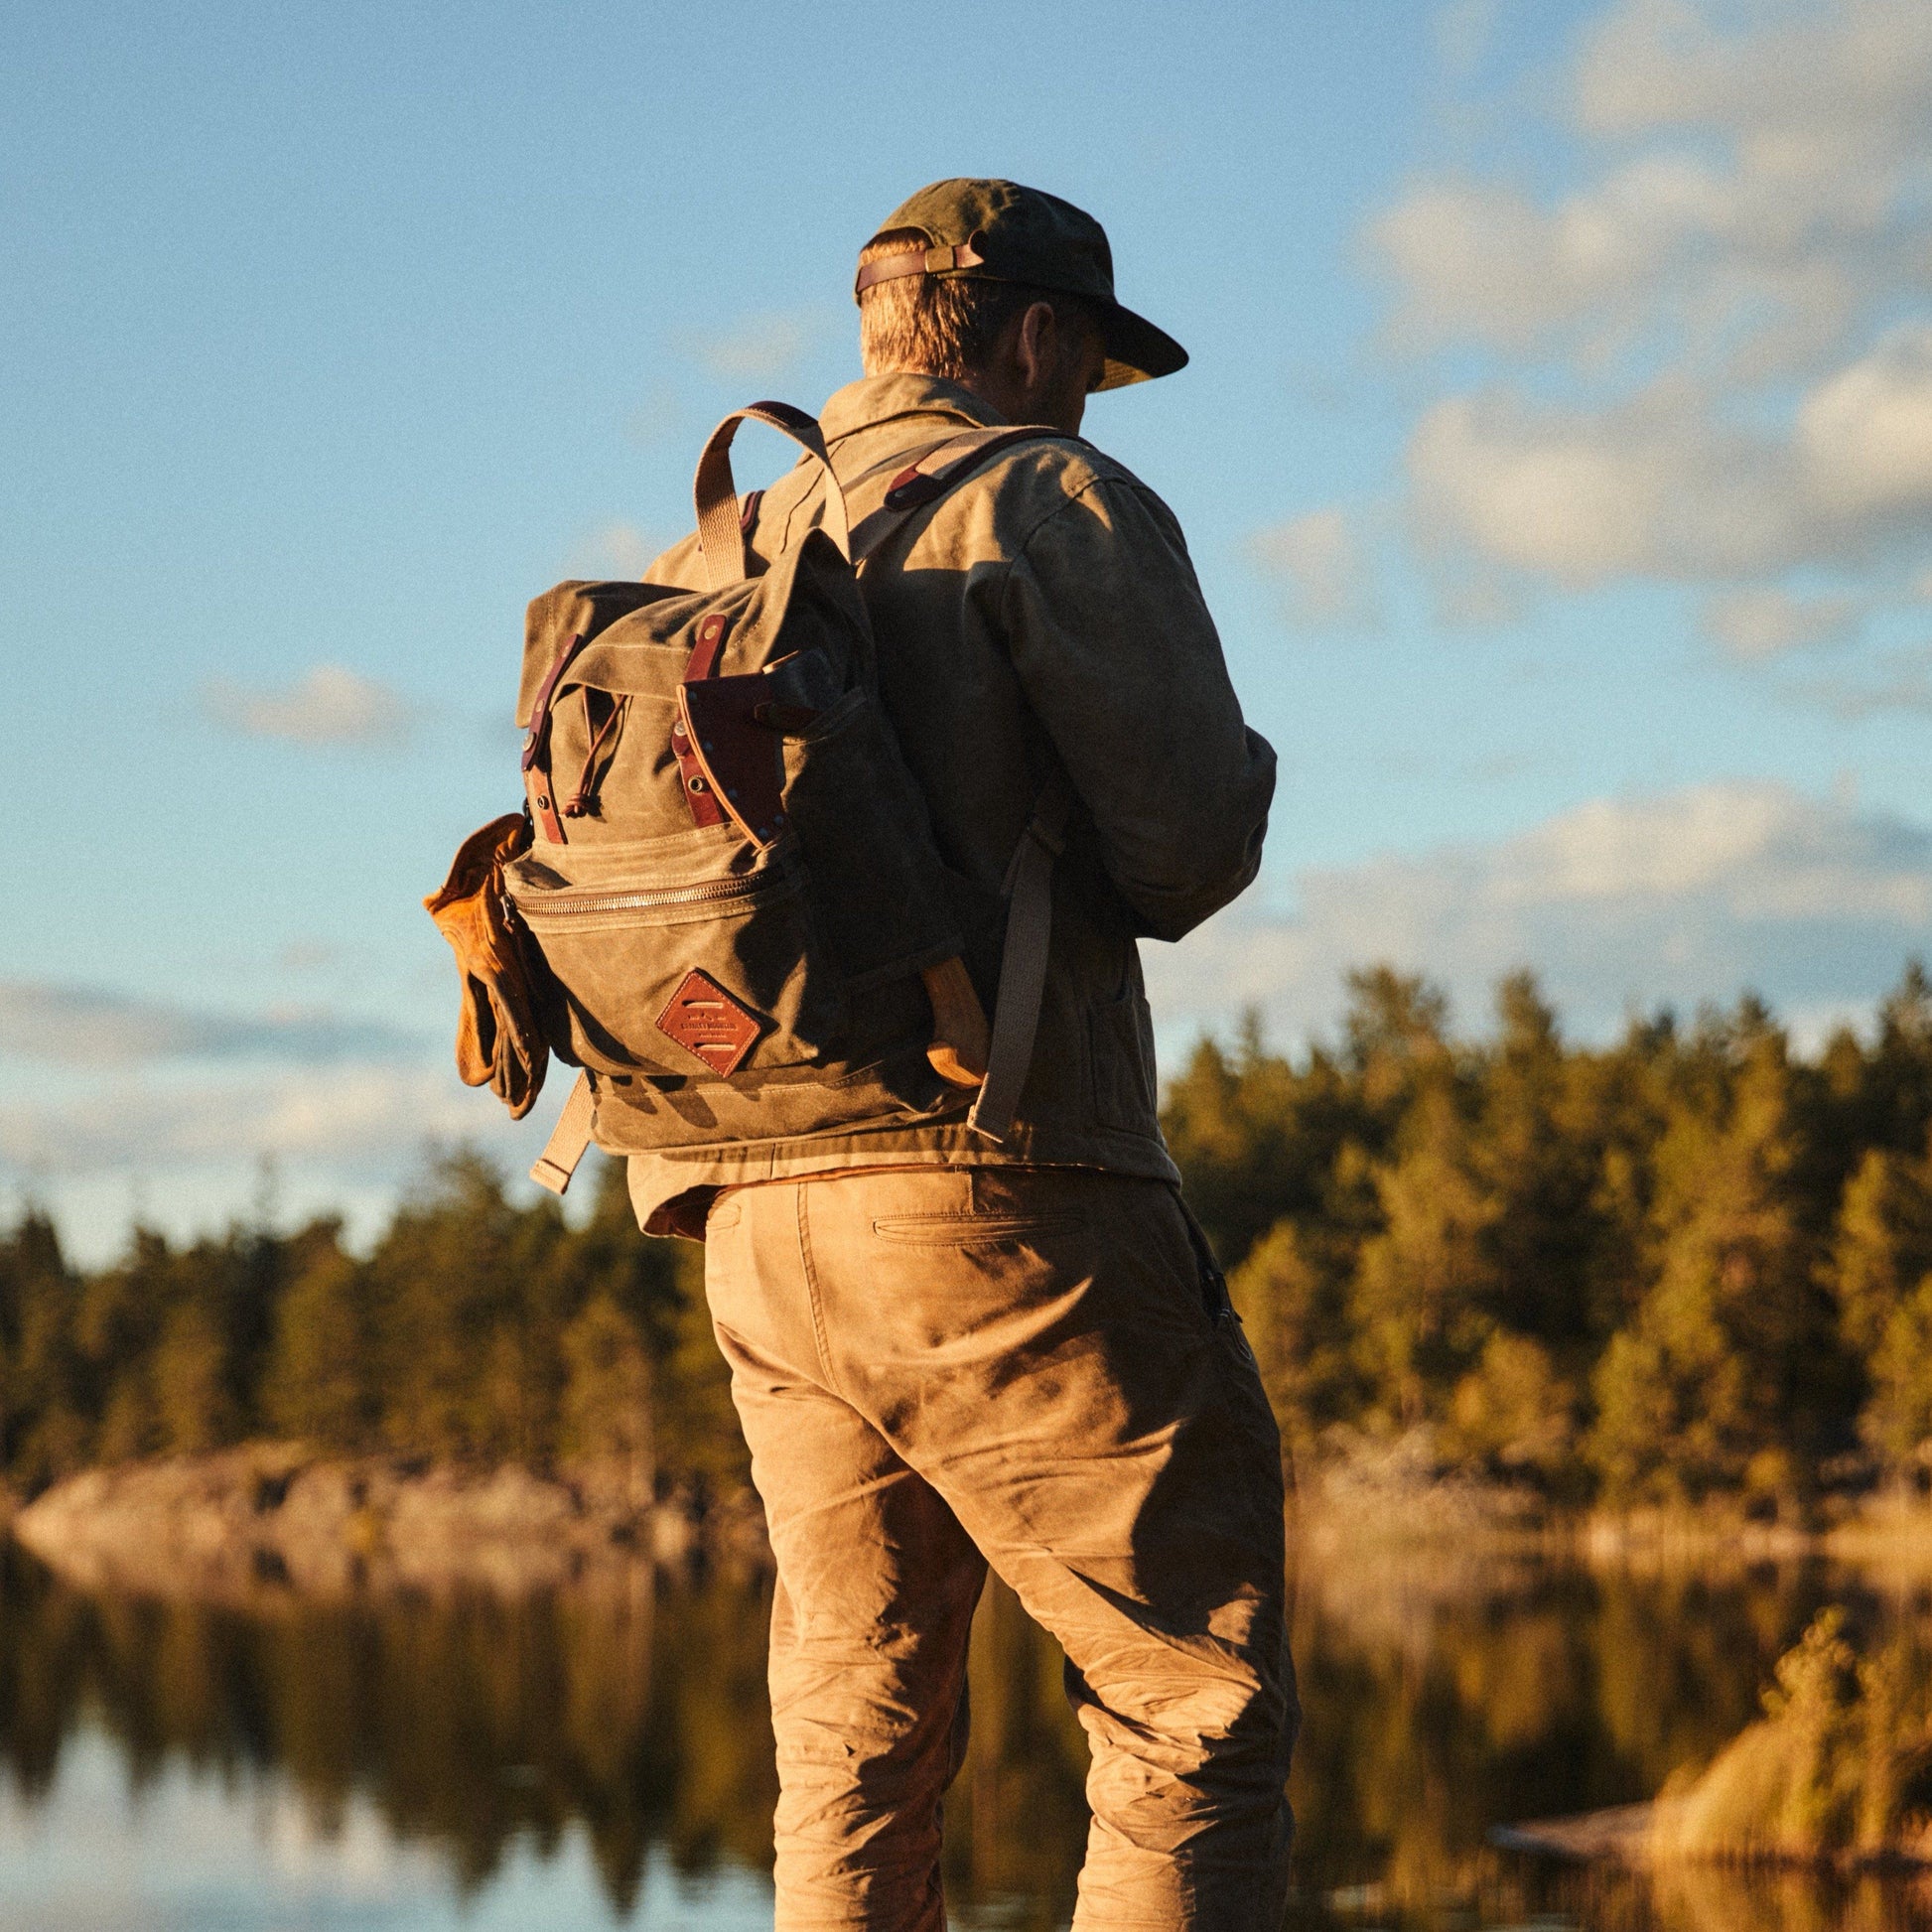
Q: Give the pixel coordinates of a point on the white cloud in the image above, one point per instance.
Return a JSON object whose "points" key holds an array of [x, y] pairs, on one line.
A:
{"points": [[1750, 626], [1866, 433], [188, 1146], [1680, 898], [363, 1121], [1649, 487], [1805, 86], [1762, 179], [1659, 482], [1710, 358], [1471, 260], [1318, 561], [83, 1026], [327, 705]]}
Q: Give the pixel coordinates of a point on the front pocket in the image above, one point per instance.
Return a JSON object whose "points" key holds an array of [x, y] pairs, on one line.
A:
{"points": [[694, 976]]}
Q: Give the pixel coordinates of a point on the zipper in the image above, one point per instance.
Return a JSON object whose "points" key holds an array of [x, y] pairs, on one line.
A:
{"points": [[587, 905]]}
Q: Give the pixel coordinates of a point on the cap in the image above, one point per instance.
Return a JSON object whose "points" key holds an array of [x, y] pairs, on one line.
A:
{"points": [[999, 231]]}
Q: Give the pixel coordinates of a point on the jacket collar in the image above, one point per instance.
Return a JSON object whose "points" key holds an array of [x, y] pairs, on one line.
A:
{"points": [[877, 399]]}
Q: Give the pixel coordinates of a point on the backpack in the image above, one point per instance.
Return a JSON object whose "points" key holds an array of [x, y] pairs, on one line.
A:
{"points": [[724, 898]]}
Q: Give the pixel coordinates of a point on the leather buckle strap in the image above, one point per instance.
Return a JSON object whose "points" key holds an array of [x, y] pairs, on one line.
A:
{"points": [[541, 789], [941, 260]]}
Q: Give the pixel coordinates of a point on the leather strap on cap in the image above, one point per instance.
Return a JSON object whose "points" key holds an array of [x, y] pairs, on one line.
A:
{"points": [[1023, 964], [939, 260], [721, 526], [568, 1139]]}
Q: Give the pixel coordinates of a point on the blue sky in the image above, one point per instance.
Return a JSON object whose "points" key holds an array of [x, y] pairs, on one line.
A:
{"points": [[1557, 456]]}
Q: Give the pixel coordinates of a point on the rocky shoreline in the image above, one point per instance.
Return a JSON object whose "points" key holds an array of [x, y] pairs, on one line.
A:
{"points": [[270, 1516], [1357, 1492]]}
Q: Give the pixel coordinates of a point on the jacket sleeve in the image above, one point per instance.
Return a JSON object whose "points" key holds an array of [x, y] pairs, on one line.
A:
{"points": [[1112, 641]]}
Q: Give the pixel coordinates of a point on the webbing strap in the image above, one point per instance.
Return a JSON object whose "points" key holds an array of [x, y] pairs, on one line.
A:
{"points": [[721, 520], [568, 1139], [1022, 963]]}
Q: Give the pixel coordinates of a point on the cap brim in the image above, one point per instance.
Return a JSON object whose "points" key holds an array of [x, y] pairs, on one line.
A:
{"points": [[1137, 351]]}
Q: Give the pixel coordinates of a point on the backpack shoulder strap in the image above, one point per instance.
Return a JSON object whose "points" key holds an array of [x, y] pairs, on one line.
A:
{"points": [[932, 473], [1029, 888], [1022, 962]]}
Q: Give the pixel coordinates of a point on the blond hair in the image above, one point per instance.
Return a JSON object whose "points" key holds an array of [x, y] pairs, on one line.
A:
{"points": [[937, 324]]}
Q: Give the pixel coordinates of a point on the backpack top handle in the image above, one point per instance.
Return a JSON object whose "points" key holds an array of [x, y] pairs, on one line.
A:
{"points": [[721, 537]]}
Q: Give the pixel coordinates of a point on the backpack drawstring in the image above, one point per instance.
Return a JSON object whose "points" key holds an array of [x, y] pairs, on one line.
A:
{"points": [[584, 798]]}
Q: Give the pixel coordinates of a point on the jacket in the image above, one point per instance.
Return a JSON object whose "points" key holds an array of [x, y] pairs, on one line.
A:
{"points": [[1042, 615]]}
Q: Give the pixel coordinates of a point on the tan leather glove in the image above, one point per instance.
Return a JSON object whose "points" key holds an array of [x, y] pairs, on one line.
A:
{"points": [[497, 1042]]}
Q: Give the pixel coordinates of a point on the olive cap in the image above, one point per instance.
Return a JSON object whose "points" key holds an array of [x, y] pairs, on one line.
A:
{"points": [[999, 231]]}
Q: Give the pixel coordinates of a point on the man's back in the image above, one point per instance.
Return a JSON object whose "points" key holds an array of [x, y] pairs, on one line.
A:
{"points": [[1042, 616]]}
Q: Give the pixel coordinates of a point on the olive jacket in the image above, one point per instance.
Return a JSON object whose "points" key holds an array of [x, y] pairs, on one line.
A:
{"points": [[1041, 616]]}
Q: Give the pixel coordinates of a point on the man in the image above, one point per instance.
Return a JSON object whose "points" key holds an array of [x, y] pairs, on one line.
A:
{"points": [[947, 1352]]}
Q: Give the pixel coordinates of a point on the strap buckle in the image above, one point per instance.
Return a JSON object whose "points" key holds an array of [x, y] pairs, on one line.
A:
{"points": [[940, 259]]}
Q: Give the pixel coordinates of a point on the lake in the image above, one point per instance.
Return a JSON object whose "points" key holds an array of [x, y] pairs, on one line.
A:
{"points": [[602, 1757]]}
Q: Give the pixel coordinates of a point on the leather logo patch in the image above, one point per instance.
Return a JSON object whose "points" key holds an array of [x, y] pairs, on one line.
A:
{"points": [[706, 1021]]}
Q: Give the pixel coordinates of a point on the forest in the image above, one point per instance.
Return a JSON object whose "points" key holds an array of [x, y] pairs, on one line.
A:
{"points": [[1693, 1264]]}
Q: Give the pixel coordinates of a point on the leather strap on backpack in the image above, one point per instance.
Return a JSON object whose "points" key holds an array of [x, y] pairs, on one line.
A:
{"points": [[1022, 961]]}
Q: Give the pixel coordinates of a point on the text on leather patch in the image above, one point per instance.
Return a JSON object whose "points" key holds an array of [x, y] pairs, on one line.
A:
{"points": [[706, 1021]]}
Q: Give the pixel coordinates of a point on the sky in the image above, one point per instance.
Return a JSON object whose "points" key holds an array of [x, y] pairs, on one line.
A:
{"points": [[1556, 456]]}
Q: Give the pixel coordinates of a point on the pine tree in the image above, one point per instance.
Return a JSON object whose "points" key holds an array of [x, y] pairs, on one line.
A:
{"points": [[1898, 1417], [1295, 1311], [43, 1431], [1708, 1388], [1425, 1282], [1883, 1244], [317, 1384]]}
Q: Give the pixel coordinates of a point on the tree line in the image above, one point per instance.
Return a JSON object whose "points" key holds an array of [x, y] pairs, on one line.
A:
{"points": [[1694, 1262], [475, 1331]]}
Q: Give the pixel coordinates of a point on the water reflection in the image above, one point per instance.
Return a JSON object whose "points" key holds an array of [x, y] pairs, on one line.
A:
{"points": [[604, 1755]]}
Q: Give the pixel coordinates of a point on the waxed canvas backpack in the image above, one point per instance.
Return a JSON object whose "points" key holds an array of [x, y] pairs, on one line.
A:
{"points": [[723, 902]]}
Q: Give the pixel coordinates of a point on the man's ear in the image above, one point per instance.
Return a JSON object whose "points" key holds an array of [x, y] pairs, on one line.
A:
{"points": [[1035, 341]]}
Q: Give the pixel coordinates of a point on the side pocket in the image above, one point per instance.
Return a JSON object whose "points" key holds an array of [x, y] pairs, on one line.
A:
{"points": [[970, 1230]]}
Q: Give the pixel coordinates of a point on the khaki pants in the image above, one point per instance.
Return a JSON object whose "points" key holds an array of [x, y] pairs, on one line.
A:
{"points": [[944, 1368]]}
